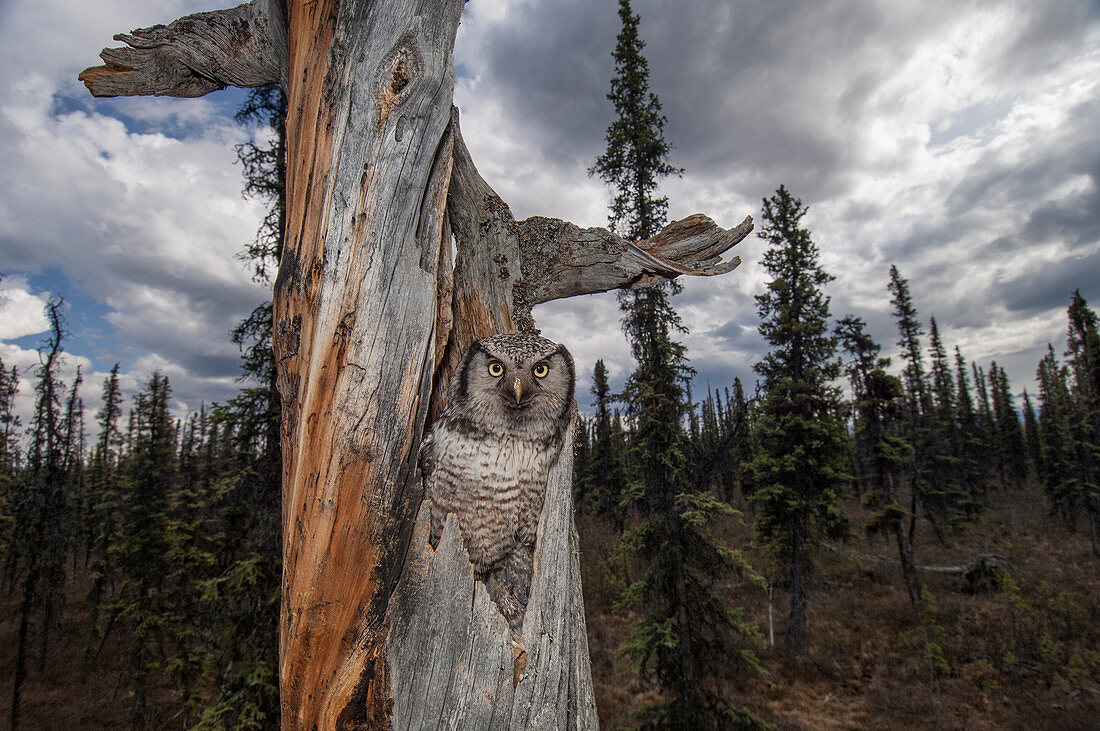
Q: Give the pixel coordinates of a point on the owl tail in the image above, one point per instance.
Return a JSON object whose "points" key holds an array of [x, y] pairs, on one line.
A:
{"points": [[509, 585]]}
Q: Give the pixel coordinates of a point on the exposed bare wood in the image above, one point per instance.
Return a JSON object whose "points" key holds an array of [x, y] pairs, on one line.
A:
{"points": [[453, 660], [564, 260], [487, 265], [370, 320], [355, 306], [515, 265], [242, 46], [555, 686]]}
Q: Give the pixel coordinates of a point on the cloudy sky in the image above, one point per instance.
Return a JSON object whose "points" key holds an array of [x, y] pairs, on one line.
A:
{"points": [[958, 140]]}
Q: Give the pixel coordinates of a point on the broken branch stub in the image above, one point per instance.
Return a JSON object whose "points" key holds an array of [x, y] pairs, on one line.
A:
{"points": [[197, 54], [564, 260], [542, 259]]}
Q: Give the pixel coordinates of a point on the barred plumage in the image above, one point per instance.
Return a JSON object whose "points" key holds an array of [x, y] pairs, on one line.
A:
{"points": [[489, 453]]}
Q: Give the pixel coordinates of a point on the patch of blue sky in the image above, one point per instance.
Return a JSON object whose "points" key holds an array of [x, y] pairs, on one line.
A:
{"points": [[179, 119], [89, 332], [977, 121]]}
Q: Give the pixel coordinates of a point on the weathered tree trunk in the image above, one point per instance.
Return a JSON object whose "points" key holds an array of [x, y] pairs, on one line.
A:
{"points": [[453, 661], [368, 168], [370, 320]]}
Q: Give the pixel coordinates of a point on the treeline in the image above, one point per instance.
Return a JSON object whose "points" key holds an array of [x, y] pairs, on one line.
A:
{"points": [[169, 527], [919, 444], [922, 442]]}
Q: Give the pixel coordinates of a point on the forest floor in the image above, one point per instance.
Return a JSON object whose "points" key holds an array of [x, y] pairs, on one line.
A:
{"points": [[81, 682], [1024, 655]]}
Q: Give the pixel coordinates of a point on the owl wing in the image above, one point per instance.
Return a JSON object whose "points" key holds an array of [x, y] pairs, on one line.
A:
{"points": [[424, 459]]}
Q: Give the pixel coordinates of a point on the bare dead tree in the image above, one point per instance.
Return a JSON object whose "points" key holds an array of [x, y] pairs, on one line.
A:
{"points": [[371, 316]]}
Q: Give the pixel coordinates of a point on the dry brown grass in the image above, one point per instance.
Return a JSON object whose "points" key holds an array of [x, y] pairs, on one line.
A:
{"points": [[74, 692], [1024, 657]]}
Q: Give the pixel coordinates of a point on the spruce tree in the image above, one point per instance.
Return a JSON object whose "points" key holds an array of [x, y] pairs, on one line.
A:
{"points": [[739, 427], [948, 502], [969, 445], [1083, 362], [104, 498], [987, 436], [709, 446], [1083, 354], [1031, 436], [721, 442], [905, 314], [688, 634], [40, 543], [1058, 469], [880, 451], [605, 476], [197, 542], [918, 405], [943, 383], [242, 592], [800, 468], [75, 466], [582, 462], [10, 456], [636, 157], [1009, 446], [863, 351], [139, 609]]}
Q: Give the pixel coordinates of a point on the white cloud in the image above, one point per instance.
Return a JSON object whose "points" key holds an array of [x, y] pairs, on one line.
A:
{"points": [[145, 223], [955, 139], [21, 311]]}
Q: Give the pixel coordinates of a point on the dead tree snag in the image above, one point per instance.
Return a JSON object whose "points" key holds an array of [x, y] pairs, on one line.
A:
{"points": [[370, 318]]}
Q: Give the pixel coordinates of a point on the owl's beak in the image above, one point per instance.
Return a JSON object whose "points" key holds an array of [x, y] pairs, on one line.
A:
{"points": [[517, 386]]}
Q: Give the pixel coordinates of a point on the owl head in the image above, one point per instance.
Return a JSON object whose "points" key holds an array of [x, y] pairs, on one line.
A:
{"points": [[520, 383]]}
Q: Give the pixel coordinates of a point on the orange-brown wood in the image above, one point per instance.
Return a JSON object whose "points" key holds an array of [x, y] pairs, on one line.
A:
{"points": [[355, 317], [305, 650]]}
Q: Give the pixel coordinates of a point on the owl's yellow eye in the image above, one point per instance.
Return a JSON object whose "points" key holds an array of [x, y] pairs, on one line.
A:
{"points": [[540, 370], [496, 369]]}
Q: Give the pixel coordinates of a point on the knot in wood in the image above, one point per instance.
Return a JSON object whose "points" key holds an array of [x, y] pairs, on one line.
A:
{"points": [[397, 77]]}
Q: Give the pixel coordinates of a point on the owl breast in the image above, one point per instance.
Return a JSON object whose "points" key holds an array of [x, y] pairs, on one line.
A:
{"points": [[493, 485]]}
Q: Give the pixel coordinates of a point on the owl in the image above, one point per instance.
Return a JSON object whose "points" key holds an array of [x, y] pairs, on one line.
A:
{"points": [[489, 453]]}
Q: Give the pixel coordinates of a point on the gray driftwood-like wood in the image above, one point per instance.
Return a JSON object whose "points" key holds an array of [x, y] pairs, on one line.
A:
{"points": [[453, 660], [505, 267], [242, 46], [370, 320], [355, 311]]}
